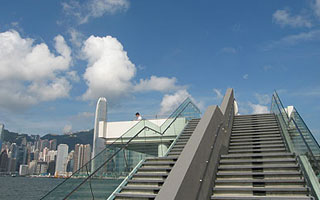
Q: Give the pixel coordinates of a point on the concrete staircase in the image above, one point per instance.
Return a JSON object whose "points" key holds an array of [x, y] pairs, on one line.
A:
{"points": [[258, 165], [147, 181]]}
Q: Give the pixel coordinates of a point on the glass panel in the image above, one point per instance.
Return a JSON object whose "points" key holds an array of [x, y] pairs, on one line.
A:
{"points": [[300, 136]]}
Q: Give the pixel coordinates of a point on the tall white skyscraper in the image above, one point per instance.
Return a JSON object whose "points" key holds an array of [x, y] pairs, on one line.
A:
{"points": [[62, 159], [98, 143]]}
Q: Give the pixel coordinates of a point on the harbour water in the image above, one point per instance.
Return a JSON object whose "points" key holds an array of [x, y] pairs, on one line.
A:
{"points": [[27, 188], [33, 188]]}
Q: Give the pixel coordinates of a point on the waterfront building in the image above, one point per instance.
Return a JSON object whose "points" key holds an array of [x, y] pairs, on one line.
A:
{"points": [[44, 154], [23, 170], [81, 156], [4, 161], [32, 167], [42, 167], [51, 167], [12, 165], [62, 159]]}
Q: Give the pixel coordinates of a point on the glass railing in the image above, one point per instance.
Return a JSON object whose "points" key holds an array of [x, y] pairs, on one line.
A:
{"points": [[122, 154], [299, 138]]}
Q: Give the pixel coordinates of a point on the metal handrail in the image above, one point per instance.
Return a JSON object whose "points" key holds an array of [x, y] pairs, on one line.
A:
{"points": [[296, 126], [304, 140], [307, 128]]}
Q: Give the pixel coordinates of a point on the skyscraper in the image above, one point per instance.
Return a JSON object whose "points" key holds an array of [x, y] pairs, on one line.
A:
{"points": [[98, 143], [81, 156], [1, 137], [62, 159]]}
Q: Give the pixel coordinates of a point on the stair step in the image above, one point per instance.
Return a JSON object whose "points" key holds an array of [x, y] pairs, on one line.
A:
{"points": [[244, 129], [256, 130], [238, 161], [256, 155], [256, 150], [257, 146], [158, 163], [256, 139], [146, 181], [266, 166], [254, 133], [256, 125], [150, 175], [259, 173], [256, 136], [248, 122], [144, 168], [273, 197], [135, 196], [140, 188], [255, 143], [167, 158], [260, 181]]}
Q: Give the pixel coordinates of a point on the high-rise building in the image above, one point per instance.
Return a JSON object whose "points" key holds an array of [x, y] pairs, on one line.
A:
{"points": [[51, 156], [98, 143], [62, 159], [51, 167], [81, 156], [53, 144], [44, 143], [23, 170], [33, 167], [1, 135], [42, 167], [4, 161]]}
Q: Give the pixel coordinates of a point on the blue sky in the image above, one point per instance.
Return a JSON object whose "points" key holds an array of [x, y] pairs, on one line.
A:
{"points": [[57, 57]]}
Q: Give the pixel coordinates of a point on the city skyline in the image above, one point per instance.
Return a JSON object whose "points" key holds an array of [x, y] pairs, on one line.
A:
{"points": [[147, 54]]}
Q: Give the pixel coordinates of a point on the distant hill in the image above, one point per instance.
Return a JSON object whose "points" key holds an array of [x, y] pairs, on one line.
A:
{"points": [[13, 137], [81, 137]]}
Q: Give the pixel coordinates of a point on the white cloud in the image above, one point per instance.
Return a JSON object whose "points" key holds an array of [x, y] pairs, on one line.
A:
{"points": [[73, 75], [316, 7], [94, 8], [67, 129], [284, 18], [218, 93], [171, 101], [31, 73], [246, 76], [291, 40], [304, 36], [109, 70], [229, 50], [258, 109], [263, 98], [86, 114], [161, 84], [76, 38]]}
